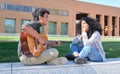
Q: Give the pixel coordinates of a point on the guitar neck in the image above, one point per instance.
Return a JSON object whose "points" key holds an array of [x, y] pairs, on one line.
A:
{"points": [[52, 43]]}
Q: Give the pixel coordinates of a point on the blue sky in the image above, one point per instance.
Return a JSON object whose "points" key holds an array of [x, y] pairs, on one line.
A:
{"points": [[114, 3]]}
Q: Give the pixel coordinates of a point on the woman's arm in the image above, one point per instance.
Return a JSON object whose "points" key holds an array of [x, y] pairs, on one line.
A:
{"points": [[95, 37], [76, 39]]}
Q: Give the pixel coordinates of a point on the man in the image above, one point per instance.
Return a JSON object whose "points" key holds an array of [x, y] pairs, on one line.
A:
{"points": [[38, 54]]}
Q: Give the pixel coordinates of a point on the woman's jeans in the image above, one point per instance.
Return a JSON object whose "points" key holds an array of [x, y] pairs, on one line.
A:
{"points": [[86, 51]]}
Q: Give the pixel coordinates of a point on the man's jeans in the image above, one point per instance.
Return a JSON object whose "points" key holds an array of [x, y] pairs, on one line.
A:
{"points": [[86, 52]]}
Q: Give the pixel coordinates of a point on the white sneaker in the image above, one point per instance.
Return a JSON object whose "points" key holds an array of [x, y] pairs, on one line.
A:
{"points": [[58, 61]]}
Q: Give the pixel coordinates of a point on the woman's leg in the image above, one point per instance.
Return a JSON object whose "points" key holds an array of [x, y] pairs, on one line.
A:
{"points": [[75, 48], [91, 53]]}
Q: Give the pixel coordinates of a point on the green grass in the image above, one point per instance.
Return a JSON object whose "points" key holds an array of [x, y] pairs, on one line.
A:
{"points": [[16, 38], [112, 49], [8, 50], [9, 38]]}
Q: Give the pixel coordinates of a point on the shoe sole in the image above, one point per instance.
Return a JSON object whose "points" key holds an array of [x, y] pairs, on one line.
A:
{"points": [[80, 60]]}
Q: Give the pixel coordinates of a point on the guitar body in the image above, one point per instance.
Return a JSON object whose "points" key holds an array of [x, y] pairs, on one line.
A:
{"points": [[30, 46]]}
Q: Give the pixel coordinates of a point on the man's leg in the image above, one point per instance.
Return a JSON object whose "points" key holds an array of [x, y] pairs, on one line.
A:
{"points": [[58, 61], [46, 55]]}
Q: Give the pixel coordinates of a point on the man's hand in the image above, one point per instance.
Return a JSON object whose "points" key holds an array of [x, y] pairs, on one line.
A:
{"points": [[42, 41], [58, 43]]}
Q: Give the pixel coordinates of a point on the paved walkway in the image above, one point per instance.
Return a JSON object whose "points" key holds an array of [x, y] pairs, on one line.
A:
{"points": [[111, 66]]}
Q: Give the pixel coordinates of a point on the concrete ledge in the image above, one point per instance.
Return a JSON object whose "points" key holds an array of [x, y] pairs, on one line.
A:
{"points": [[111, 66]]}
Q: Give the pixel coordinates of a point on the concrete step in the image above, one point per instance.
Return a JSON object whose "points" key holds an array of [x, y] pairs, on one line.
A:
{"points": [[111, 66]]}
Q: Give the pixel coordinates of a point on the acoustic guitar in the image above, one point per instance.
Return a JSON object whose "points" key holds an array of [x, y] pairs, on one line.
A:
{"points": [[31, 47]]}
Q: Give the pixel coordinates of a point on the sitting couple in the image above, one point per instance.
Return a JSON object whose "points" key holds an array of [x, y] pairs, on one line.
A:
{"points": [[34, 46]]}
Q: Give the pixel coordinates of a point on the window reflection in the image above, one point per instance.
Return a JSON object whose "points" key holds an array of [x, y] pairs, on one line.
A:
{"points": [[52, 28], [9, 7], [10, 25], [27, 9], [31, 9], [64, 28], [18, 7]]}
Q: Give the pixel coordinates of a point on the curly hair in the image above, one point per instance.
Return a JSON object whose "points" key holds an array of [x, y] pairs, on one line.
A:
{"points": [[93, 26]]}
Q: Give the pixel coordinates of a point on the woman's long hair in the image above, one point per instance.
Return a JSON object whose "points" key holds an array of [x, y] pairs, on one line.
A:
{"points": [[93, 25]]}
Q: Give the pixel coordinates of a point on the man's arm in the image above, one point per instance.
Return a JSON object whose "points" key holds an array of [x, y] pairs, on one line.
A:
{"points": [[36, 51], [32, 32], [53, 43]]}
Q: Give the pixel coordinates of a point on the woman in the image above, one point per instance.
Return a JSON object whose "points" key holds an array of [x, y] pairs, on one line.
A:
{"points": [[88, 44]]}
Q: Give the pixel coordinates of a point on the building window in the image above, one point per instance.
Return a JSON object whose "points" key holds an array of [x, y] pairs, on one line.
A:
{"points": [[119, 26], [21, 8], [33, 9], [10, 25], [18, 7], [106, 26], [64, 28], [113, 26], [63, 13], [53, 11], [52, 28], [27, 9], [9, 7], [42, 29], [2, 6], [59, 12], [25, 21], [98, 18]]}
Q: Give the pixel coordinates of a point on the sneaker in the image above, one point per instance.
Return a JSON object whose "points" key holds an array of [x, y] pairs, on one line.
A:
{"points": [[80, 60], [58, 61], [70, 56]]}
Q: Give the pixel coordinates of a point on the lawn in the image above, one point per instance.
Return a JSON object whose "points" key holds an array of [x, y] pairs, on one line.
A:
{"points": [[8, 50]]}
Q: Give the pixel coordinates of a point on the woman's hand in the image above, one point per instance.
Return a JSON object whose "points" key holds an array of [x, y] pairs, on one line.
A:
{"points": [[76, 54], [85, 26], [80, 36], [83, 29]]}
